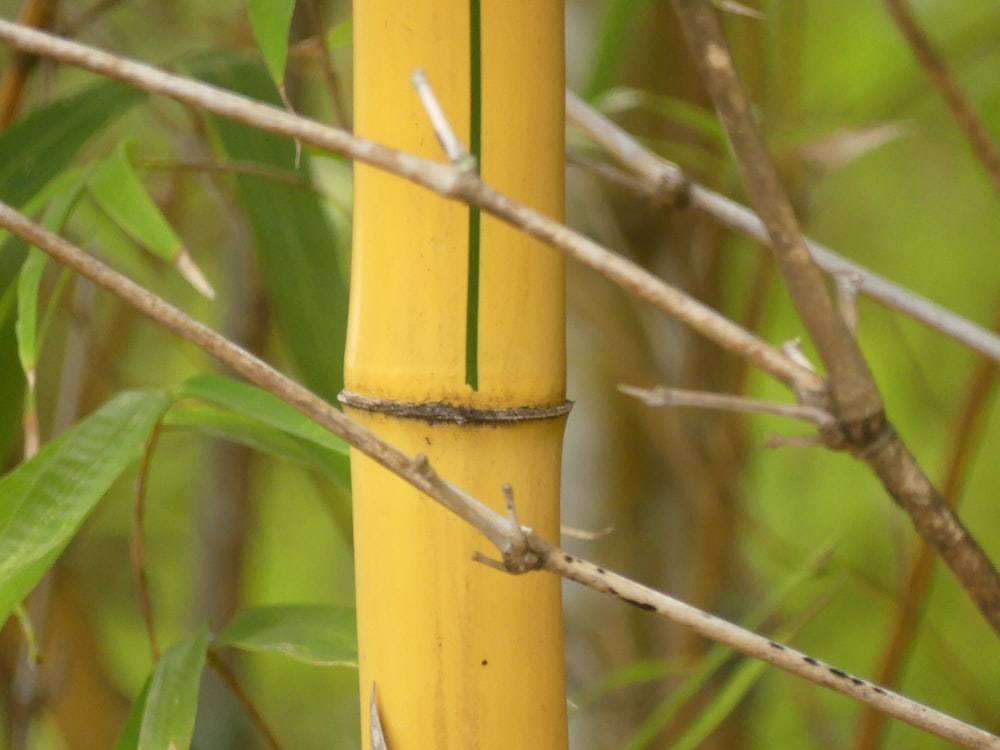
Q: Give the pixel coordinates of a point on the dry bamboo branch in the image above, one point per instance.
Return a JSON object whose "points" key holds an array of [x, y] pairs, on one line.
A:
{"points": [[857, 404], [972, 127], [665, 183], [443, 179], [520, 548]]}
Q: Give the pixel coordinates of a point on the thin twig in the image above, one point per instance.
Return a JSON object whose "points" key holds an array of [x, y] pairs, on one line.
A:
{"points": [[326, 67], [966, 430], [664, 396], [222, 669], [443, 179], [759, 647], [519, 546], [857, 404], [138, 545], [969, 123], [666, 184]]}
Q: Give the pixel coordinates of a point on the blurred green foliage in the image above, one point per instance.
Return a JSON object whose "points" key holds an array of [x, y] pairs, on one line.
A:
{"points": [[267, 522]]}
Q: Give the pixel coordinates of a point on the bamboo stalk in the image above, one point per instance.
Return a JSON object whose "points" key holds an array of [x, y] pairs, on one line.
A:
{"points": [[456, 350]]}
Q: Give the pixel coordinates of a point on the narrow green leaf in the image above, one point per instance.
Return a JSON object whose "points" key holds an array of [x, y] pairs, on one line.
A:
{"points": [[698, 119], [129, 737], [614, 40], [35, 149], [709, 717], [44, 501], [341, 35], [316, 634], [271, 20], [258, 403], [28, 283], [41, 145], [296, 244], [252, 433], [30, 278], [171, 702], [120, 193]]}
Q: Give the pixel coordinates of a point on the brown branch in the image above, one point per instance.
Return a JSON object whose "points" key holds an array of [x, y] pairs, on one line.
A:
{"points": [[965, 432], [969, 123], [857, 404], [446, 180], [856, 400], [226, 675], [520, 548], [138, 545], [664, 183]]}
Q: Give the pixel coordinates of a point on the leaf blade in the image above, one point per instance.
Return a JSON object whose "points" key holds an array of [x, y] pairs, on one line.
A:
{"points": [[44, 501], [324, 635]]}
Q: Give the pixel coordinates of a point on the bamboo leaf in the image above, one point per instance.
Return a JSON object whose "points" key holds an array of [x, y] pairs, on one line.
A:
{"points": [[129, 737], [117, 189], [722, 704], [165, 711], [44, 501], [41, 145], [36, 149], [253, 433], [316, 634], [620, 18], [255, 402], [296, 245], [271, 20]]}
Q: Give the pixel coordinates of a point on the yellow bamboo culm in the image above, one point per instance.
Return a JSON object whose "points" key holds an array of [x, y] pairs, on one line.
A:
{"points": [[461, 655]]}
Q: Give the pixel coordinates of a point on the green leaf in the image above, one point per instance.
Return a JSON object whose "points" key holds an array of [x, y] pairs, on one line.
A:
{"points": [[35, 149], [41, 145], [118, 190], [129, 737], [698, 119], [252, 433], [44, 501], [30, 278], [341, 35], [708, 718], [614, 40], [313, 633], [169, 701], [296, 245], [28, 284], [271, 20]]}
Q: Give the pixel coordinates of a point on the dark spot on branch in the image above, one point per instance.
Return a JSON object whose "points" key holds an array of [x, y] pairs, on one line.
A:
{"points": [[810, 660], [602, 571], [837, 673], [778, 646], [857, 681], [568, 558], [878, 690], [641, 605]]}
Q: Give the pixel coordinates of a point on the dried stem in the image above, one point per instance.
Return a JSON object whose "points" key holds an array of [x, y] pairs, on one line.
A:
{"points": [[445, 180], [972, 127], [967, 429], [520, 548], [226, 674], [856, 400], [664, 396], [857, 404], [664, 183], [138, 544]]}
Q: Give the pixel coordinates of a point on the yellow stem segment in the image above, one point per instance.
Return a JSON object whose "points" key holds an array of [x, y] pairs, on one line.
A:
{"points": [[462, 655]]}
